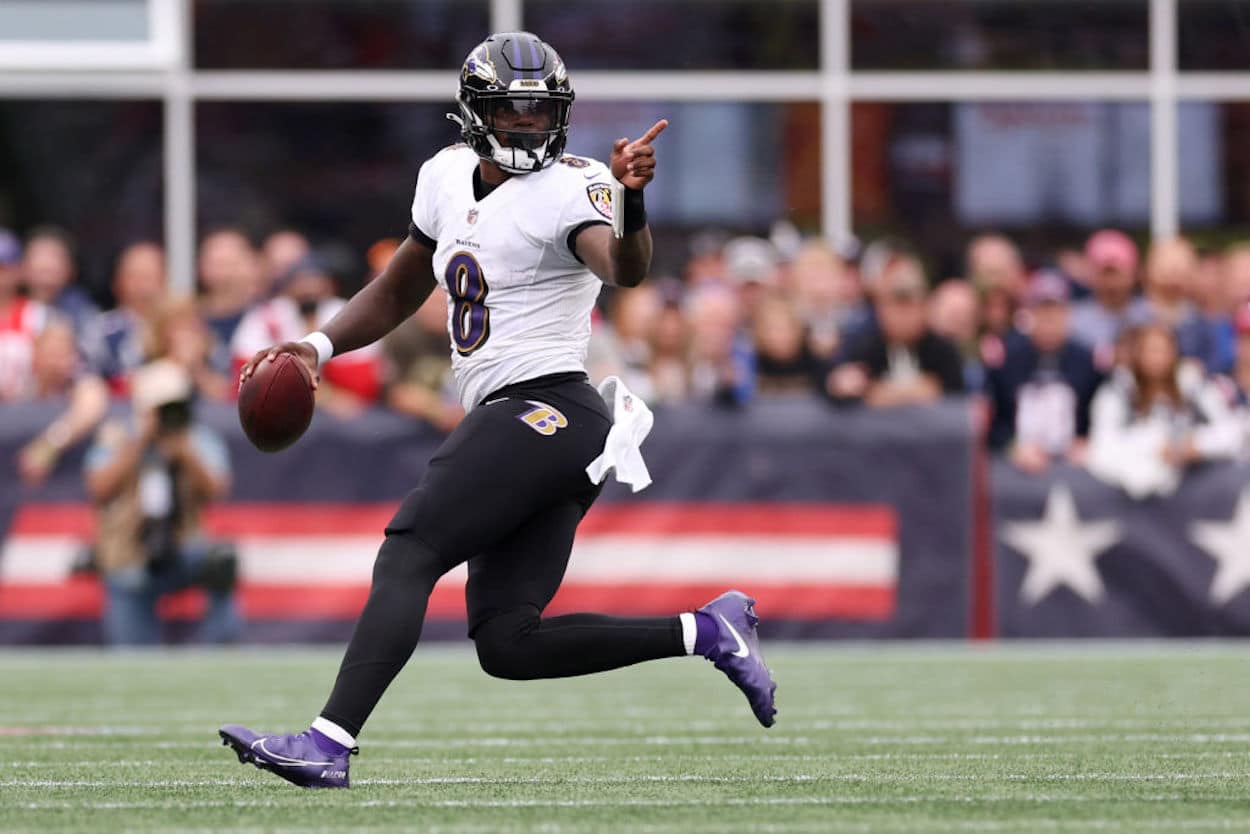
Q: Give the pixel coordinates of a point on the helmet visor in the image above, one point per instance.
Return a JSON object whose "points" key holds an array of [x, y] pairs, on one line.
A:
{"points": [[523, 122]]}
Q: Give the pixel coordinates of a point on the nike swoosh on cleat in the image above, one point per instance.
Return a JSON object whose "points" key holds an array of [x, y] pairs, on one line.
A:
{"points": [[743, 651], [286, 761]]}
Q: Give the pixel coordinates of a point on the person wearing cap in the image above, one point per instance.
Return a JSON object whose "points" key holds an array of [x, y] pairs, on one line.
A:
{"points": [[1113, 305], [305, 301], [752, 266], [21, 321], [1042, 382], [901, 361], [150, 478]]}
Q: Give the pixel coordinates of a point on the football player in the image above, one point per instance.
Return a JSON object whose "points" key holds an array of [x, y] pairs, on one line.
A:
{"points": [[521, 235]]}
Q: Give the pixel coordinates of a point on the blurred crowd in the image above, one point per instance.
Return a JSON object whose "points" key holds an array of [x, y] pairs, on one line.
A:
{"points": [[1134, 363]]}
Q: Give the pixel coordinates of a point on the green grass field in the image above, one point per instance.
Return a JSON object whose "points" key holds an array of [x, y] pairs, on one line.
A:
{"points": [[905, 739]]}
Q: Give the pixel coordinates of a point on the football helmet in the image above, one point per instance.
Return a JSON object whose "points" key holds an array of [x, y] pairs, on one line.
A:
{"points": [[514, 99]]}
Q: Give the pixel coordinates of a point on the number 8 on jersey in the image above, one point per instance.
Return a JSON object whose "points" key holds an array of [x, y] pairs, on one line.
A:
{"points": [[470, 320]]}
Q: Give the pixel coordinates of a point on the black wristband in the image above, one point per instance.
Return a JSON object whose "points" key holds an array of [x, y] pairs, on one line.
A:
{"points": [[635, 211]]}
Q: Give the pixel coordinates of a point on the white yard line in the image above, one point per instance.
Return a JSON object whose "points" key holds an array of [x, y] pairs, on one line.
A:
{"points": [[831, 758], [719, 802], [876, 778]]}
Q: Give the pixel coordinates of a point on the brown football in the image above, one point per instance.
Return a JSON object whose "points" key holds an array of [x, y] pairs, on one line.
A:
{"points": [[276, 403]]}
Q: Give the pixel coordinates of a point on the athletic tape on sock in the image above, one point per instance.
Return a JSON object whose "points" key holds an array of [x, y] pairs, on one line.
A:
{"points": [[688, 631], [333, 732]]}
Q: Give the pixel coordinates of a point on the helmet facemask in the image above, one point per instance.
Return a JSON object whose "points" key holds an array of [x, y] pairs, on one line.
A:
{"points": [[519, 133]]}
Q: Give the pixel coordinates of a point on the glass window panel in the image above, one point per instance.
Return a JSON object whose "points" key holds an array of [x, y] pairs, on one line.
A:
{"points": [[336, 171], [1046, 172], [1213, 35], [66, 21], [105, 192], [680, 34], [1215, 166], [345, 171], [1000, 34], [729, 164], [337, 34]]}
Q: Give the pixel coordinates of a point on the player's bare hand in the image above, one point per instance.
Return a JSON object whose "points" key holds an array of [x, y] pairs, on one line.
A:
{"points": [[633, 163], [303, 351]]}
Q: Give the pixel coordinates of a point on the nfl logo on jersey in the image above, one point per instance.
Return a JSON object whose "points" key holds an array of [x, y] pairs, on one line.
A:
{"points": [[471, 217]]}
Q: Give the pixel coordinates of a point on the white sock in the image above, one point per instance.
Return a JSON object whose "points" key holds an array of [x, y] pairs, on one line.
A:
{"points": [[334, 732], [688, 631]]}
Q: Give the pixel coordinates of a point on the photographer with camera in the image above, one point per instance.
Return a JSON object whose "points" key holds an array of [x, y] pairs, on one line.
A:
{"points": [[150, 480]]}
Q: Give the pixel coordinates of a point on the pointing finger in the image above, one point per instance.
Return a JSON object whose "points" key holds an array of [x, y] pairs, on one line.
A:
{"points": [[656, 130]]}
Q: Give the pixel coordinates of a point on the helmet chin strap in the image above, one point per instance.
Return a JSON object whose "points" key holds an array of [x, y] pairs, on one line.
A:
{"points": [[506, 157]]}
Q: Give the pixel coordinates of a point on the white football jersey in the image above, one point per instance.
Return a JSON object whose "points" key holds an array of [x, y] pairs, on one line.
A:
{"points": [[519, 302]]}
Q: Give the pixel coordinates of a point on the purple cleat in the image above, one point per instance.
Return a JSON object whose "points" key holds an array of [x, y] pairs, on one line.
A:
{"points": [[296, 758], [736, 652]]}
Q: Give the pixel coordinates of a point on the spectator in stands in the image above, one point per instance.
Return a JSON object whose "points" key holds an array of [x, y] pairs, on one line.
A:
{"points": [[995, 267], [114, 342], [632, 319], [707, 261], [1156, 417], [722, 366], [230, 278], [753, 266], [59, 376], [902, 362], [49, 275], [1071, 263], [1240, 376], [955, 314], [1238, 381], [21, 320], [1214, 312], [279, 252], [670, 348], [150, 478], [305, 302], [379, 254], [1236, 276], [827, 297], [1113, 305], [1040, 392], [1169, 277], [783, 363], [417, 366], [179, 334]]}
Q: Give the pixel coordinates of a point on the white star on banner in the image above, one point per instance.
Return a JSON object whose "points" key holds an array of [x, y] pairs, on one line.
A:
{"points": [[1229, 544], [1060, 549]]}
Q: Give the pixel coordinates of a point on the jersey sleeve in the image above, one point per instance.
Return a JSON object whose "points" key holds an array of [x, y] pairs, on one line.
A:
{"points": [[589, 201], [424, 226]]}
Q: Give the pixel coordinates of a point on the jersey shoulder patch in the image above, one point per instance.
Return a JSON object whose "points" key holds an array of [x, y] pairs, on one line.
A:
{"points": [[600, 196], [575, 161]]}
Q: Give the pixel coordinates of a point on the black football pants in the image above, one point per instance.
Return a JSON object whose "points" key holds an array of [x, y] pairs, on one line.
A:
{"points": [[505, 492]]}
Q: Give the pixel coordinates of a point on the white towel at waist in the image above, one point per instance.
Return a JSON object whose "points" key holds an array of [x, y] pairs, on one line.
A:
{"points": [[631, 423]]}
